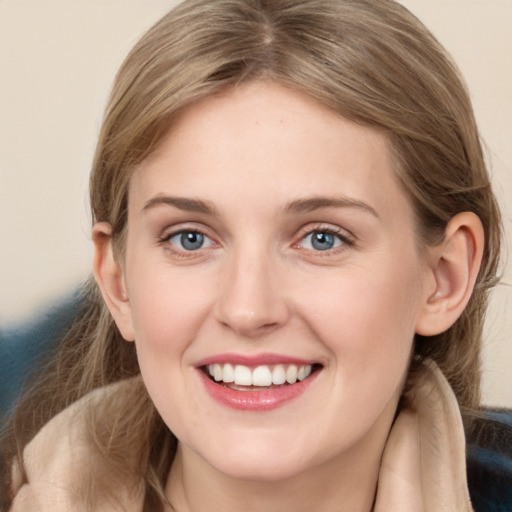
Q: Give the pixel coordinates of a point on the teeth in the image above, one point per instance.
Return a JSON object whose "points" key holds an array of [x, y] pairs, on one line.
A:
{"points": [[278, 375], [261, 376], [217, 372], [291, 374], [243, 375], [228, 373]]}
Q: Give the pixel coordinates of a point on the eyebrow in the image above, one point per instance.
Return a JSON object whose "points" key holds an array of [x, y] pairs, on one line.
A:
{"points": [[307, 205], [182, 203]]}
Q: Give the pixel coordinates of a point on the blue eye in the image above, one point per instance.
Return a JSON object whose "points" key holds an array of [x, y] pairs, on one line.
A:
{"points": [[322, 240], [190, 240]]}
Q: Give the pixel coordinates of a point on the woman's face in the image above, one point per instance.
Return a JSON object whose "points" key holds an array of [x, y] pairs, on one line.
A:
{"points": [[270, 243]]}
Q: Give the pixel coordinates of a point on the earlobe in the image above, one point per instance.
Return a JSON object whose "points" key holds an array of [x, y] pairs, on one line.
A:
{"points": [[109, 275], [455, 265]]}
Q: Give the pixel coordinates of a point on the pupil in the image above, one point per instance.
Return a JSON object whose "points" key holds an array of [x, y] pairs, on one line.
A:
{"points": [[322, 241], [192, 241]]}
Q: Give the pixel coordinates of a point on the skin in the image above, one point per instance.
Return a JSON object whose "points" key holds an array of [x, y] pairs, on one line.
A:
{"points": [[258, 285]]}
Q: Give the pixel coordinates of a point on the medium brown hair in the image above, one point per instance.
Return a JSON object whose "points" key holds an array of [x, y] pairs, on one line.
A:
{"points": [[370, 61]]}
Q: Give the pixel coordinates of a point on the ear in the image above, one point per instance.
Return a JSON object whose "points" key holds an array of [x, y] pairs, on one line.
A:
{"points": [[109, 275], [454, 264]]}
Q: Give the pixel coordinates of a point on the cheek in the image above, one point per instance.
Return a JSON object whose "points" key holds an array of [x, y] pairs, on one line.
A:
{"points": [[367, 318], [167, 315], [167, 308], [167, 312]]}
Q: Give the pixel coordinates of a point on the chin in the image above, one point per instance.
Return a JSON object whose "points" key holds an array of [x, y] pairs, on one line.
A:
{"points": [[259, 463], [261, 471]]}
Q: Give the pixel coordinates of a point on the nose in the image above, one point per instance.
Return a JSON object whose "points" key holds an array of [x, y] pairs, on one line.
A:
{"points": [[251, 301]]}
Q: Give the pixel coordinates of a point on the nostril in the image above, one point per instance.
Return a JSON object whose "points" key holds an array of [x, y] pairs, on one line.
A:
{"points": [[249, 323], [250, 301]]}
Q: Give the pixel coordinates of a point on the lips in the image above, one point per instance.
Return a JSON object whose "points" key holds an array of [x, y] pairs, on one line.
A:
{"points": [[257, 383]]}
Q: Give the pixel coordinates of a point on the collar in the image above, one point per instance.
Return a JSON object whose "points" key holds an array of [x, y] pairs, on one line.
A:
{"points": [[423, 466]]}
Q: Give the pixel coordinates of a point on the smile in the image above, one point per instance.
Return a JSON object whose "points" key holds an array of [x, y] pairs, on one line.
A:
{"points": [[256, 384], [262, 376]]}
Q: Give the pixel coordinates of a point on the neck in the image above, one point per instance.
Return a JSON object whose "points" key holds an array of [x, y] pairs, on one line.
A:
{"points": [[346, 484]]}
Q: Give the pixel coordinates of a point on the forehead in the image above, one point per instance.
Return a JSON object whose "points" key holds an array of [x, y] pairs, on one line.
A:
{"points": [[266, 139]]}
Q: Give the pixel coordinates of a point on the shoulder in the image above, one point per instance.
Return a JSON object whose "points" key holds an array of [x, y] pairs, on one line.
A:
{"points": [[60, 461], [489, 461]]}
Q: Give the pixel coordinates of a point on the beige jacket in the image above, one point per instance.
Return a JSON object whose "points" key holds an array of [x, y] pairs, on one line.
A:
{"points": [[423, 466]]}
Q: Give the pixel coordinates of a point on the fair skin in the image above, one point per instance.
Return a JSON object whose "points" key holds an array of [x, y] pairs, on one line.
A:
{"points": [[268, 231]]}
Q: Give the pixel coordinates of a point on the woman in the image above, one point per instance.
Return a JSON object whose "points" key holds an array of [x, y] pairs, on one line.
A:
{"points": [[294, 239]]}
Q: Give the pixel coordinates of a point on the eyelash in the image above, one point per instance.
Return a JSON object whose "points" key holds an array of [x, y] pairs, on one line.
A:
{"points": [[182, 252], [345, 240]]}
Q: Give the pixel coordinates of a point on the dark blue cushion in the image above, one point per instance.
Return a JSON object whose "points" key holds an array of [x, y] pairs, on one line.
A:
{"points": [[24, 347], [489, 462]]}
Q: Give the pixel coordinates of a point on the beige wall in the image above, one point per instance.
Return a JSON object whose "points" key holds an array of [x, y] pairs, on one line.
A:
{"points": [[57, 60]]}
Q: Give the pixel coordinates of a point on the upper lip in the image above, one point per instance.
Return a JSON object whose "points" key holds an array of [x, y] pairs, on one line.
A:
{"points": [[253, 359]]}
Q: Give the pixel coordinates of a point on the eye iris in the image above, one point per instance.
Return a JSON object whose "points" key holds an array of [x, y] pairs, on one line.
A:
{"points": [[191, 241], [322, 241]]}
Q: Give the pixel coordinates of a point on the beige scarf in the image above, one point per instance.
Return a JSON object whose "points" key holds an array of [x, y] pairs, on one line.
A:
{"points": [[423, 466]]}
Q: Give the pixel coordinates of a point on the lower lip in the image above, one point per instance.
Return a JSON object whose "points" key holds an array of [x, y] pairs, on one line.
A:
{"points": [[263, 400]]}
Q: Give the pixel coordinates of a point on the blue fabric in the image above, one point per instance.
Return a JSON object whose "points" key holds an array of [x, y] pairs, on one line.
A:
{"points": [[23, 349], [489, 462]]}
